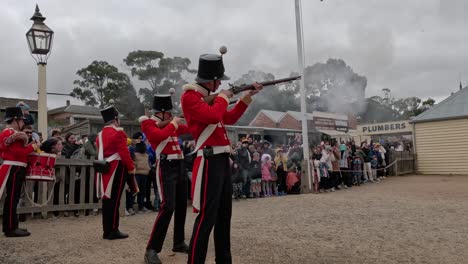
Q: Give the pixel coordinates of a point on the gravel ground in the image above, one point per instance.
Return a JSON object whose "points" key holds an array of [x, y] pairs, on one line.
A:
{"points": [[413, 219]]}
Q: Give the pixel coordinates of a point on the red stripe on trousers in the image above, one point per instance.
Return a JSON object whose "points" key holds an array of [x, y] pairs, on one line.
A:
{"points": [[119, 193], [161, 211], [202, 212], [11, 199]]}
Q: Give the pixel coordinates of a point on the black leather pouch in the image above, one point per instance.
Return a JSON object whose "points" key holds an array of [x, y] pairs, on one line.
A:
{"points": [[101, 166]]}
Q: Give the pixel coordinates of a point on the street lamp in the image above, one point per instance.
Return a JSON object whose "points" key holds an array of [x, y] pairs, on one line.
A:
{"points": [[40, 38]]}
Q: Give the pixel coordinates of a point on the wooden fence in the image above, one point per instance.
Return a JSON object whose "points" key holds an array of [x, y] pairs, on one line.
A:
{"points": [[75, 186], [405, 162], [74, 190]]}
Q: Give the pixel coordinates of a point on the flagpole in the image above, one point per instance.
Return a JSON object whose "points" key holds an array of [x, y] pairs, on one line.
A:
{"points": [[300, 58]]}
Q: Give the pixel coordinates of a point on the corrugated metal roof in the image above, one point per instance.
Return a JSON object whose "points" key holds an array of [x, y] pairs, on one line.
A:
{"points": [[333, 132], [298, 115], [329, 115], [310, 116], [454, 106], [76, 109], [263, 128]]}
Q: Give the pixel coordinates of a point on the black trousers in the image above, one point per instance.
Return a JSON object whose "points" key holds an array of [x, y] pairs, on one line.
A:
{"points": [[215, 211], [150, 181], [337, 180], [173, 195], [13, 192], [110, 207], [245, 182], [281, 180], [347, 177]]}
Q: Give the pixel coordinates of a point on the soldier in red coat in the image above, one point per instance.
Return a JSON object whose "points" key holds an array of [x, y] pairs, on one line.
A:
{"points": [[170, 176], [14, 149], [112, 145], [211, 178]]}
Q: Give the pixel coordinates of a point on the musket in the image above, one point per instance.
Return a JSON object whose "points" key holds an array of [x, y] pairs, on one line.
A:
{"points": [[164, 123], [238, 89]]}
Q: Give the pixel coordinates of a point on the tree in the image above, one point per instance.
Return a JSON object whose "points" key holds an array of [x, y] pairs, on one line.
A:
{"points": [[128, 103], [407, 106], [387, 99], [281, 97], [99, 83], [160, 73], [412, 106], [387, 108], [376, 111]]}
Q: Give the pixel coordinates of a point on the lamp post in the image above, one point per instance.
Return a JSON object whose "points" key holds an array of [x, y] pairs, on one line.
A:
{"points": [[300, 57], [40, 38]]}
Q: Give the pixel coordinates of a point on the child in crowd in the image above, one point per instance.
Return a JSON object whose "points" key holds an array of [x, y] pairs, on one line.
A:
{"points": [[374, 166], [236, 181], [325, 168], [342, 148], [255, 175], [142, 170], [274, 179], [357, 168], [266, 175]]}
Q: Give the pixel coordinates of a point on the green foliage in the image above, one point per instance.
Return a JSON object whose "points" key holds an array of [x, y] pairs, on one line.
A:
{"points": [[100, 82], [159, 72], [128, 103], [377, 111], [387, 108]]}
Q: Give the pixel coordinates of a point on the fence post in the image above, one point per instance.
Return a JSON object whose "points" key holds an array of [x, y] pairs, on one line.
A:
{"points": [[304, 178], [396, 167], [83, 187], [43, 191], [62, 186]]}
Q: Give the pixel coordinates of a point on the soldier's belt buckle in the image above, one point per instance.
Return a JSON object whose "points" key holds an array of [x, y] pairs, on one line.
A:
{"points": [[163, 157], [208, 152]]}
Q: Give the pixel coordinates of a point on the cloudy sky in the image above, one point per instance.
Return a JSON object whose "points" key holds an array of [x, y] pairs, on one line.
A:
{"points": [[414, 47]]}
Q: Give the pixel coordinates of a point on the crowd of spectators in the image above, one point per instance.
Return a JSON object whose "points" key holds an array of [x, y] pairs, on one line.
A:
{"points": [[344, 165], [259, 169]]}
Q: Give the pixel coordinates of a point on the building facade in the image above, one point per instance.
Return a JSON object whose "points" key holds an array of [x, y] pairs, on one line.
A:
{"points": [[11, 102], [441, 136]]}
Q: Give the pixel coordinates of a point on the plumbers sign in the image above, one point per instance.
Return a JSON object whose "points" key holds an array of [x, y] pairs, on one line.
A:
{"points": [[385, 128]]}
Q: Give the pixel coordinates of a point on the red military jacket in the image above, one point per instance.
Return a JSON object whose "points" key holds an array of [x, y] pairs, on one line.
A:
{"points": [[199, 114], [13, 145], [114, 140], [156, 135]]}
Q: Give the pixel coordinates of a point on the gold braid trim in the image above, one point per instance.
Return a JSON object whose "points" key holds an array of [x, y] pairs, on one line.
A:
{"points": [[17, 136]]}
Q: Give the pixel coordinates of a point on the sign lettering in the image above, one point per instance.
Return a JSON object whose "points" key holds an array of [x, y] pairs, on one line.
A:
{"points": [[385, 128]]}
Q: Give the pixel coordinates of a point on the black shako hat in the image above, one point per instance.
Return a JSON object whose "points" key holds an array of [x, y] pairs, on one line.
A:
{"points": [[110, 113], [162, 103], [210, 68], [12, 113]]}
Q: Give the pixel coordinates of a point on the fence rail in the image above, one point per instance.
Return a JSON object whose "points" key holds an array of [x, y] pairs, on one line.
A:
{"points": [[73, 190], [405, 162]]}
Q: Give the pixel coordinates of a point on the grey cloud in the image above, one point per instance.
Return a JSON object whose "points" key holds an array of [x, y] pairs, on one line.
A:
{"points": [[412, 47]]}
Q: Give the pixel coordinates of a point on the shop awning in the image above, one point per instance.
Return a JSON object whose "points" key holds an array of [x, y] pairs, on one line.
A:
{"points": [[334, 133]]}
